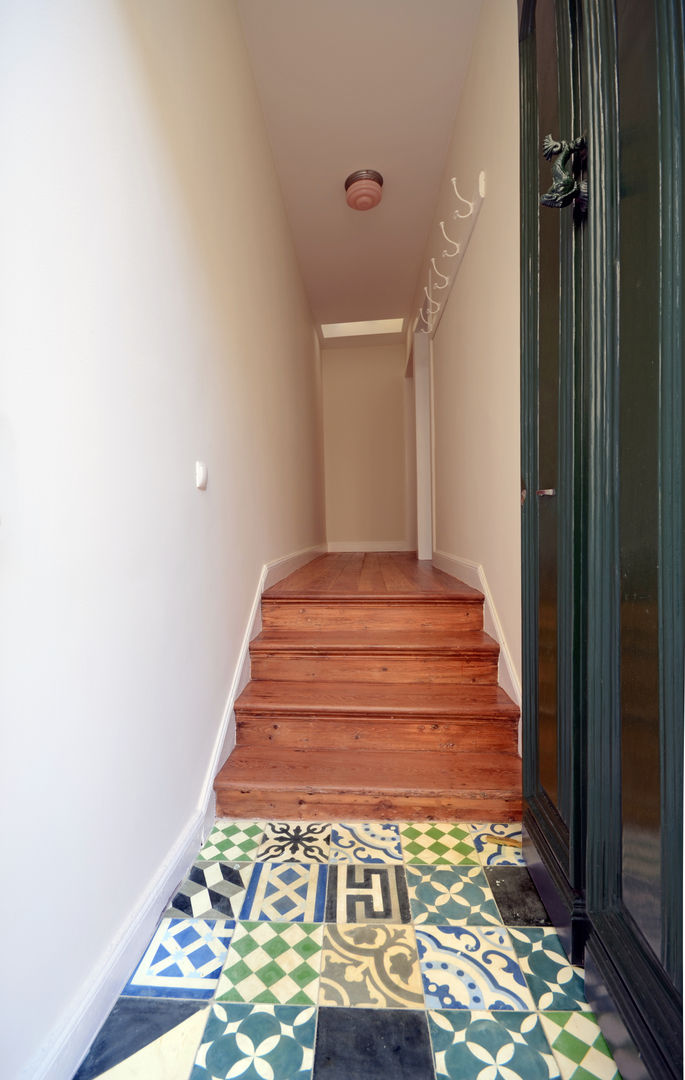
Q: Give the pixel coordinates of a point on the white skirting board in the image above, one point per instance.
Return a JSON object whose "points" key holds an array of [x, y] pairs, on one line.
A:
{"points": [[271, 573], [62, 1052], [369, 545], [473, 574], [66, 1046]]}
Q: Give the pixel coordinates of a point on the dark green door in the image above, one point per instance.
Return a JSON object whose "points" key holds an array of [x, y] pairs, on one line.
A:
{"points": [[554, 769], [602, 353]]}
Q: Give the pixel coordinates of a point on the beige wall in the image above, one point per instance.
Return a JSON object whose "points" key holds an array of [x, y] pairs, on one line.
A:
{"points": [[364, 410], [151, 314], [476, 347]]}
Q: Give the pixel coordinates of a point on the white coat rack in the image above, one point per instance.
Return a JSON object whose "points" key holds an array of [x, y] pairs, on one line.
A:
{"points": [[453, 240]]}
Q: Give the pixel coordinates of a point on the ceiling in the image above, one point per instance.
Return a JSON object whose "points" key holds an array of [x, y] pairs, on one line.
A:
{"points": [[359, 84]]}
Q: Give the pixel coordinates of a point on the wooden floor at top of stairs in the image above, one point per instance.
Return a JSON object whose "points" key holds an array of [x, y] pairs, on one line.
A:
{"points": [[372, 576]]}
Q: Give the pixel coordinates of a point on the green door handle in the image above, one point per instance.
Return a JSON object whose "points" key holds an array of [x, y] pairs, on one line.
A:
{"points": [[566, 187]]}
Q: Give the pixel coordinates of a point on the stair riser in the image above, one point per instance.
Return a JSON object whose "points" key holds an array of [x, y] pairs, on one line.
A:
{"points": [[398, 669], [306, 805], [372, 615], [304, 733]]}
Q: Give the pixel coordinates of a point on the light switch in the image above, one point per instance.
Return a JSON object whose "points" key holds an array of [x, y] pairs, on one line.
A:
{"points": [[201, 475]]}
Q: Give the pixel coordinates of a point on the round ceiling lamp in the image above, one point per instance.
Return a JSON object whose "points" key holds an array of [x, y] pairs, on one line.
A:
{"points": [[364, 189]]}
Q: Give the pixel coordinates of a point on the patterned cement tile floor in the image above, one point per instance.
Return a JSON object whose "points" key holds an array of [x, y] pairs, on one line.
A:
{"points": [[358, 951]]}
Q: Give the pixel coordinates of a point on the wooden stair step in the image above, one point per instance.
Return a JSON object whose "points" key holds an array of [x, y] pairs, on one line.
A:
{"points": [[440, 612], [420, 656], [402, 785], [305, 732], [374, 699]]}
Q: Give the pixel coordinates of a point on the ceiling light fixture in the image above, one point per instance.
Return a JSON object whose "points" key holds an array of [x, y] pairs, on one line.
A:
{"points": [[364, 189]]}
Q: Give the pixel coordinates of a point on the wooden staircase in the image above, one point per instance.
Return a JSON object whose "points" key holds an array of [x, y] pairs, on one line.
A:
{"points": [[373, 695]]}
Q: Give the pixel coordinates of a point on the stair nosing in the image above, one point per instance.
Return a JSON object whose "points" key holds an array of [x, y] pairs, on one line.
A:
{"points": [[375, 598], [500, 707], [270, 642]]}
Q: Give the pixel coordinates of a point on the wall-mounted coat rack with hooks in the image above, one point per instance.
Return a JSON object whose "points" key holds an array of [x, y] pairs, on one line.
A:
{"points": [[453, 239]]}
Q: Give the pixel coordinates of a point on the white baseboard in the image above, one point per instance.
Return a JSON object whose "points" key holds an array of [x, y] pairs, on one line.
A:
{"points": [[288, 564], [271, 573], [473, 574], [66, 1046], [369, 545]]}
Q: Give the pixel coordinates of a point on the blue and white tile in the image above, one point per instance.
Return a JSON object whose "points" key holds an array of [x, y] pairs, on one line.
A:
{"points": [[499, 844], [490, 1046], [146, 1038], [553, 982], [184, 959], [457, 894], [286, 892], [257, 1042], [366, 842], [471, 968]]}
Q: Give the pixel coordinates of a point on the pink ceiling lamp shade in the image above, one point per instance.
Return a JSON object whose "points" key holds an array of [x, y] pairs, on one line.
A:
{"points": [[364, 189]]}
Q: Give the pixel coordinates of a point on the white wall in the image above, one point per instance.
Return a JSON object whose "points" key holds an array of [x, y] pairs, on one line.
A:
{"points": [[151, 313], [476, 347], [365, 414]]}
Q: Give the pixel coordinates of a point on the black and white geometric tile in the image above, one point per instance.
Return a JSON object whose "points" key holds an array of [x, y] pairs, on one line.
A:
{"points": [[212, 890], [358, 894], [299, 842]]}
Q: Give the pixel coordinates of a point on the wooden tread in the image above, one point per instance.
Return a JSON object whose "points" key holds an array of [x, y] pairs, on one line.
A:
{"points": [[422, 656], [372, 613], [401, 785], [449, 643], [374, 699], [376, 716]]}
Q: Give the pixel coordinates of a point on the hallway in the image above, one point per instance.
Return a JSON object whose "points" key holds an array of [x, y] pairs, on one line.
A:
{"points": [[166, 381]]}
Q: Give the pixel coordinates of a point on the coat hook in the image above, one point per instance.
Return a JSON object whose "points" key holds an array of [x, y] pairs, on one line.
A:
{"points": [[440, 274], [457, 247], [424, 319], [461, 198], [431, 310]]}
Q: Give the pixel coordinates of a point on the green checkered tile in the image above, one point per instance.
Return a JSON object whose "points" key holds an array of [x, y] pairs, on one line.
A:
{"points": [[273, 963], [235, 841], [438, 842], [578, 1046]]}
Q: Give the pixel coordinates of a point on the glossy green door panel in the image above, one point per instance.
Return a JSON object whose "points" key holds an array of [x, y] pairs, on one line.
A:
{"points": [[549, 255], [639, 367], [603, 568], [551, 258]]}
